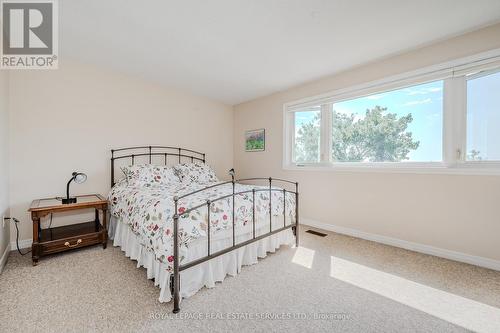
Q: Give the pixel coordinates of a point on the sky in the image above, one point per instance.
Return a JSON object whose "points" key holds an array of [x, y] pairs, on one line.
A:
{"points": [[483, 116], [425, 103]]}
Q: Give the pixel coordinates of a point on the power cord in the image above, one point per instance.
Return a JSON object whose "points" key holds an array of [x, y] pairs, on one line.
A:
{"points": [[16, 221]]}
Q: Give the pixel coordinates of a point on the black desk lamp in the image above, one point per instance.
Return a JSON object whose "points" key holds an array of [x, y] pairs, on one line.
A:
{"points": [[79, 178]]}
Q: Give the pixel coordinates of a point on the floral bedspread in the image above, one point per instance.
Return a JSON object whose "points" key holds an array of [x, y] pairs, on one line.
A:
{"points": [[149, 210]]}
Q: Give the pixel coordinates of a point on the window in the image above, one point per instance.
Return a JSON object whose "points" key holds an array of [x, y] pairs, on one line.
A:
{"points": [[307, 135], [483, 118], [395, 126], [441, 119]]}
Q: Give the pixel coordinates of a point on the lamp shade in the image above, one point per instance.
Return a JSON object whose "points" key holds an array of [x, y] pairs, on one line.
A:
{"points": [[80, 178]]}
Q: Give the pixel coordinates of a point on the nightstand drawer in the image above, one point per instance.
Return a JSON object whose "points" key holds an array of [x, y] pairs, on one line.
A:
{"points": [[73, 236], [71, 243]]}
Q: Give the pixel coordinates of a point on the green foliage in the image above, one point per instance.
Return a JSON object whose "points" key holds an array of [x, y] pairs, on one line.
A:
{"points": [[377, 137], [252, 144], [307, 142], [474, 155]]}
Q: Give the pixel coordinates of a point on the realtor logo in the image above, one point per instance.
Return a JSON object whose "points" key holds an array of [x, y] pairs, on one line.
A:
{"points": [[29, 34]]}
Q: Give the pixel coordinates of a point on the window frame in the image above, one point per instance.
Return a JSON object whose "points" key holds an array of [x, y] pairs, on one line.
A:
{"points": [[454, 75]]}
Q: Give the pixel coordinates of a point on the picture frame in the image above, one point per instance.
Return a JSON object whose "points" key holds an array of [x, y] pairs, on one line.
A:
{"points": [[255, 140]]}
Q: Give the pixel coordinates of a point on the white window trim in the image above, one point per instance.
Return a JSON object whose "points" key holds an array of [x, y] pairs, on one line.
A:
{"points": [[454, 120]]}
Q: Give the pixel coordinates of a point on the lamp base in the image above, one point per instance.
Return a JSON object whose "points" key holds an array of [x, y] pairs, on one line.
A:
{"points": [[66, 201]]}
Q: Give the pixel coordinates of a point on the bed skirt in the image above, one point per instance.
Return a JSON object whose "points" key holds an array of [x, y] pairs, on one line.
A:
{"points": [[202, 275]]}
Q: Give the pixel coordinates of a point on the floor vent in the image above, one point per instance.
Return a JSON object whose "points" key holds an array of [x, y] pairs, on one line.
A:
{"points": [[320, 234]]}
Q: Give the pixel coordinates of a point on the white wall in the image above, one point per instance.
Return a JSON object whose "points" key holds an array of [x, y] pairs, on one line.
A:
{"points": [[458, 213], [69, 119], [4, 166]]}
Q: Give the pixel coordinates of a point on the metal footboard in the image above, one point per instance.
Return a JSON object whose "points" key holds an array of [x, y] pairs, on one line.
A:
{"points": [[295, 226]]}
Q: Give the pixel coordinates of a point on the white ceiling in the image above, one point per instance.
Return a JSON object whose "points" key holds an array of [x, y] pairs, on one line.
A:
{"points": [[237, 50]]}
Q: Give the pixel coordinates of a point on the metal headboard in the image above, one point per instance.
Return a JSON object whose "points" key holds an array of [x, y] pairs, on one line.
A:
{"points": [[181, 154]]}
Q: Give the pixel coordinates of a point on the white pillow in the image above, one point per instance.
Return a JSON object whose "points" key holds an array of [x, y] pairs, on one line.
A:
{"points": [[150, 174], [199, 173]]}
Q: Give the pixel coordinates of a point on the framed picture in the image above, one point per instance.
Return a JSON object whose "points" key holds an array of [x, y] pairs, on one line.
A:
{"points": [[255, 140]]}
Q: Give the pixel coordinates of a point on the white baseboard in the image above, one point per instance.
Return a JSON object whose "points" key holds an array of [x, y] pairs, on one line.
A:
{"points": [[422, 248], [3, 260], [23, 244]]}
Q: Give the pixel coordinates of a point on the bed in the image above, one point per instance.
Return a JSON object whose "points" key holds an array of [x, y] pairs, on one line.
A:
{"points": [[171, 213]]}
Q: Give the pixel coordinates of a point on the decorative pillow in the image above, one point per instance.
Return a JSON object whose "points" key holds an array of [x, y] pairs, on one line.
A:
{"points": [[150, 174], [195, 172]]}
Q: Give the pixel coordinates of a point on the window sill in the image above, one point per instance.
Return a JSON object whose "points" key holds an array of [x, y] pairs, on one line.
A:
{"points": [[468, 168]]}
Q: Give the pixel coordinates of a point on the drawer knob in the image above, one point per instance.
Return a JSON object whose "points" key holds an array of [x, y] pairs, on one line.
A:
{"points": [[78, 242]]}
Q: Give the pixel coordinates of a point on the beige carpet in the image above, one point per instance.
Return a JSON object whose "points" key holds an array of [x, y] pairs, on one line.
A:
{"points": [[336, 283]]}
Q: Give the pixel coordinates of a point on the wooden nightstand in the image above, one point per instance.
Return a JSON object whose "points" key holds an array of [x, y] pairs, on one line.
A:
{"points": [[58, 239]]}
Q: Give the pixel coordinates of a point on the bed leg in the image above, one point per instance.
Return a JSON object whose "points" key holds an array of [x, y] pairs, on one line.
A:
{"points": [[296, 214], [174, 294], [176, 260], [297, 236], [177, 309]]}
